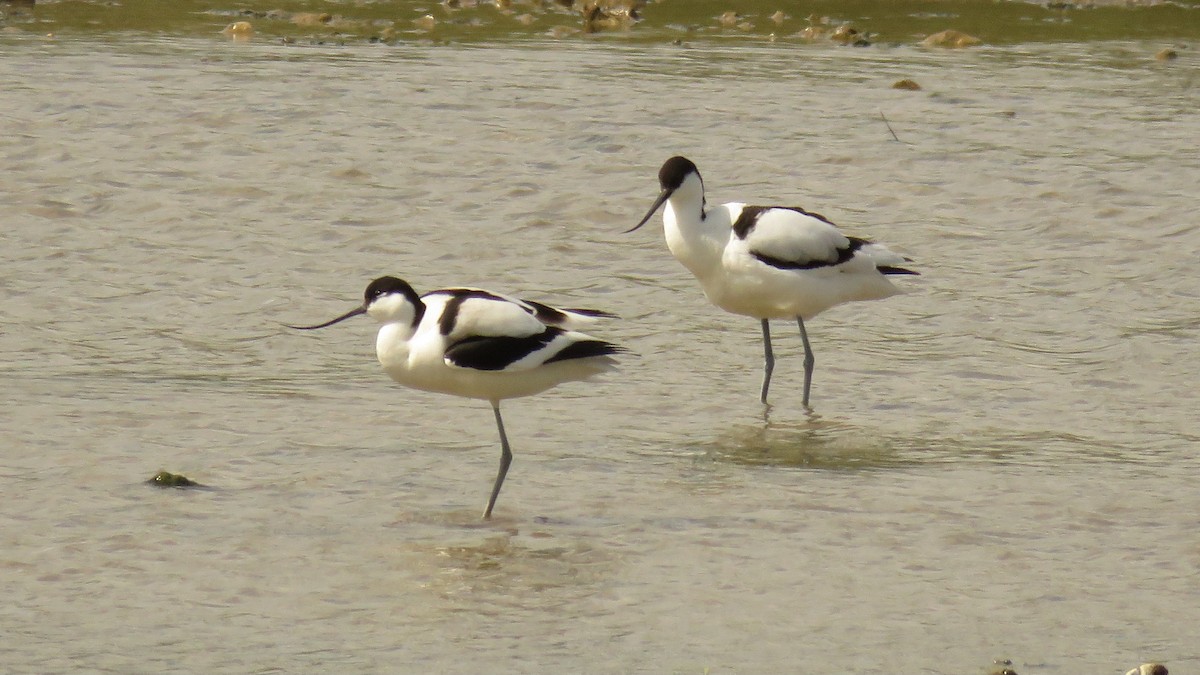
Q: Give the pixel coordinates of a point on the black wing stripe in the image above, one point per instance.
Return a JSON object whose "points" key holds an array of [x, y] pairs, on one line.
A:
{"points": [[553, 316], [498, 353], [843, 254], [585, 349], [888, 269], [597, 313], [546, 314]]}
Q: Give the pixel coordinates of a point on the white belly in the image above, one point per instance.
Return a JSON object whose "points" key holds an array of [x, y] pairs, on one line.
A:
{"points": [[744, 285]]}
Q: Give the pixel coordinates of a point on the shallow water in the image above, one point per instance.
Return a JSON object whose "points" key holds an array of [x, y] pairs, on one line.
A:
{"points": [[1000, 464]]}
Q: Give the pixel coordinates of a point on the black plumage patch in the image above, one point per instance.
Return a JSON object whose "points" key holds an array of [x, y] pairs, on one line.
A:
{"points": [[554, 317], [585, 349], [595, 313], [843, 254], [749, 216], [458, 296], [674, 171], [497, 353], [887, 269], [546, 314]]}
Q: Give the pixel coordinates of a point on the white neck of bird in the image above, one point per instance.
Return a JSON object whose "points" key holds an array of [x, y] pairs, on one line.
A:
{"points": [[695, 238]]}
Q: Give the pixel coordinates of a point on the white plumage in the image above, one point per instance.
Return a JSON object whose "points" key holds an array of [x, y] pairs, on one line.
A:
{"points": [[768, 262], [478, 344]]}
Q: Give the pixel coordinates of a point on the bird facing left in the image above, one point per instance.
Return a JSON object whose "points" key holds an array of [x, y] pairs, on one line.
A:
{"points": [[478, 344]]}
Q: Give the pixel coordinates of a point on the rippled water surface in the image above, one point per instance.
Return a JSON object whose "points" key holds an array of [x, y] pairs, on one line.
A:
{"points": [[1001, 463]]}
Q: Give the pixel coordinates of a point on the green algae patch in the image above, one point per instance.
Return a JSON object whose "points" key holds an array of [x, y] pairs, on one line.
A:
{"points": [[166, 479]]}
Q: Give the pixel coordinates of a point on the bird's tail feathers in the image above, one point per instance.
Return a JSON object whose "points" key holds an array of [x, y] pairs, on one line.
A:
{"points": [[886, 260]]}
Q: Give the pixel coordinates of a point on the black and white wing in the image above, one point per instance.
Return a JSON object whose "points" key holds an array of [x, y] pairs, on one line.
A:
{"points": [[488, 331], [791, 238]]}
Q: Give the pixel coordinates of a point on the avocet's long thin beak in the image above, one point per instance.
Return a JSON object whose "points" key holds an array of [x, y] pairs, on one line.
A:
{"points": [[666, 194], [354, 312]]}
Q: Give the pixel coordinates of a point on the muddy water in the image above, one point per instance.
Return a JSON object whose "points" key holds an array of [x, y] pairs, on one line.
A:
{"points": [[1000, 464]]}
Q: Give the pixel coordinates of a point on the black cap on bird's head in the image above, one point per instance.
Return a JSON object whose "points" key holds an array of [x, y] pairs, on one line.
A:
{"points": [[383, 286], [386, 286], [674, 170], [672, 174]]}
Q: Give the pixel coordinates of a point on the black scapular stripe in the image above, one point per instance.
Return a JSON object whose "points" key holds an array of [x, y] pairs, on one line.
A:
{"points": [[458, 296], [749, 216]]}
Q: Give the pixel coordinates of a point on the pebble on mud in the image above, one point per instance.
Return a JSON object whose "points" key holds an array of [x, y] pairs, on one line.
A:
{"points": [[951, 38], [849, 35], [846, 34], [425, 23], [560, 32], [239, 30], [311, 18], [906, 84], [598, 15], [729, 18]]}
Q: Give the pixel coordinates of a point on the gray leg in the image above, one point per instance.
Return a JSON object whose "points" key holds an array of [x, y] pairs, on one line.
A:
{"points": [[505, 460], [809, 360], [768, 359]]}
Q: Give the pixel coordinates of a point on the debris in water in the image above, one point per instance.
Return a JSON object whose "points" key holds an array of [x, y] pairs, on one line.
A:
{"points": [[1002, 667], [951, 38]]}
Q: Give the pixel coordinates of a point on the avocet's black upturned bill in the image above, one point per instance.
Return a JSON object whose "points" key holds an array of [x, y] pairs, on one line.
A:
{"points": [[478, 344], [768, 262]]}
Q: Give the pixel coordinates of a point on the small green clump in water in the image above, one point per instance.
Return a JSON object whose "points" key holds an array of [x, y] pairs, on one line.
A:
{"points": [[165, 479]]}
